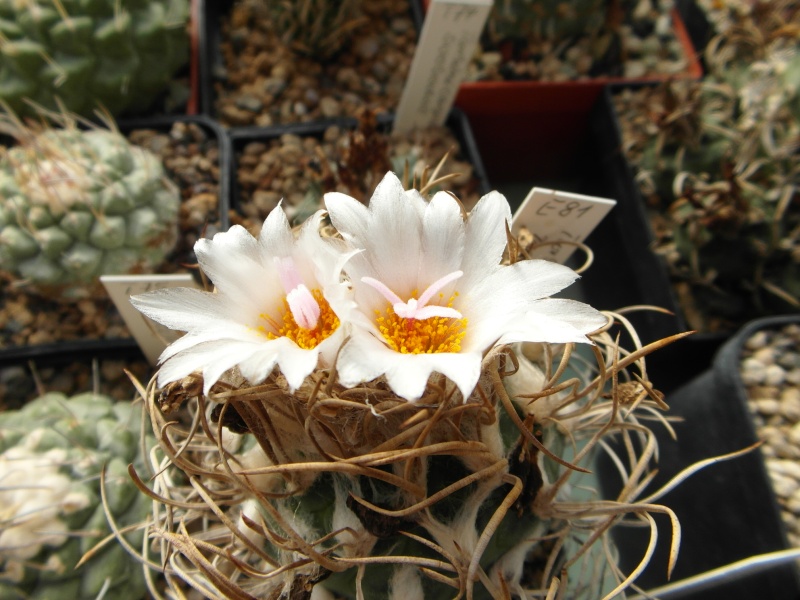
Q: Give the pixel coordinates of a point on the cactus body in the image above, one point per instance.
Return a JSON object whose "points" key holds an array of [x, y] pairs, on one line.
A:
{"points": [[80, 204], [317, 28], [554, 20], [719, 158], [53, 451], [490, 495], [120, 55]]}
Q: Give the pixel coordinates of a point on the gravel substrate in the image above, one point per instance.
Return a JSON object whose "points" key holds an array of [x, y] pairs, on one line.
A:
{"points": [[297, 169], [191, 157], [264, 83], [770, 371]]}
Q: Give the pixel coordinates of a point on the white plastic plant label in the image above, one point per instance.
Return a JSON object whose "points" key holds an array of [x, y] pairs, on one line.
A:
{"points": [[553, 216], [450, 34], [151, 336]]}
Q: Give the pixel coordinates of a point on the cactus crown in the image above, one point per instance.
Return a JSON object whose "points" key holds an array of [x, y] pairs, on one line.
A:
{"points": [[549, 19], [720, 156], [80, 203], [361, 490]]}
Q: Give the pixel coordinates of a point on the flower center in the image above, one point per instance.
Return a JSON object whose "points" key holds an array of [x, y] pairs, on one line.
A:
{"points": [[307, 317], [415, 327], [305, 338]]}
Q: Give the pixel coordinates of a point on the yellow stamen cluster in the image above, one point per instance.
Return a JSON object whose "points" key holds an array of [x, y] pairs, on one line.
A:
{"points": [[305, 338], [421, 336]]}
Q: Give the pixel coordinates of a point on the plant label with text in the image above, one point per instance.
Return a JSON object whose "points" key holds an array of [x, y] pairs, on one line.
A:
{"points": [[558, 220], [450, 34]]}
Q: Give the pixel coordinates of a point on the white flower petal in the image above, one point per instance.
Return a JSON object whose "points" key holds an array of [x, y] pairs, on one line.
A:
{"points": [[394, 245], [365, 358], [416, 200], [276, 238], [462, 368], [227, 331], [485, 239], [443, 233], [503, 297], [362, 358], [182, 309], [212, 358], [514, 286], [236, 353], [349, 216], [296, 363], [408, 375], [258, 366], [232, 261], [555, 320]]}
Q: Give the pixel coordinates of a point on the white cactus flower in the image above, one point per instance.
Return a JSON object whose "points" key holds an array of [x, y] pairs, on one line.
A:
{"points": [[432, 293], [278, 301]]}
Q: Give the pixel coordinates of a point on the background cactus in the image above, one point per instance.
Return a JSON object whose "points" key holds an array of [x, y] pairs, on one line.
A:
{"points": [[554, 20], [120, 55], [78, 204], [317, 28], [51, 454], [558, 40], [718, 160]]}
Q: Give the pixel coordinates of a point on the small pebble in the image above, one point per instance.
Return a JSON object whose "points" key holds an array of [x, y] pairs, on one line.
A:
{"points": [[774, 375], [752, 372]]}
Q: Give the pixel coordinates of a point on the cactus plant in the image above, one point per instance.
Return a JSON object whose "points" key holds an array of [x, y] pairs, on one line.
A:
{"points": [[118, 55], [718, 159], [558, 40], [554, 20], [318, 28], [403, 452], [78, 204], [52, 452]]}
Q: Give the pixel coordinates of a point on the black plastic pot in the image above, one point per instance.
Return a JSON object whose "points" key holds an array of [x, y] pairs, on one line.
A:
{"points": [[72, 372], [457, 123], [728, 511], [127, 347]]}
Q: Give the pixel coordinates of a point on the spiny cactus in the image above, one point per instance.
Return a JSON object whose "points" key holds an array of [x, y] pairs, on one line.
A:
{"points": [[360, 490], [328, 444], [317, 28], [117, 54], [554, 20], [52, 452], [719, 158], [79, 204]]}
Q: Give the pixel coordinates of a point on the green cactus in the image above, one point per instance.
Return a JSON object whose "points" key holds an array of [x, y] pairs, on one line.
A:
{"points": [[318, 28], [79, 204], [117, 54], [52, 452], [719, 160]]}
